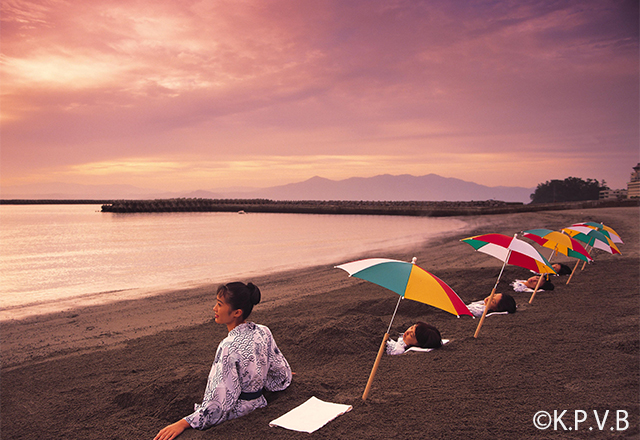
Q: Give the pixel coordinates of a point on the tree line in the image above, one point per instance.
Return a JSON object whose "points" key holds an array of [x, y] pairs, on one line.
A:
{"points": [[571, 189]]}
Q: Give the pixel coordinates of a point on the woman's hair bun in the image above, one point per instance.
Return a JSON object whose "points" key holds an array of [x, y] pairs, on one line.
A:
{"points": [[255, 293]]}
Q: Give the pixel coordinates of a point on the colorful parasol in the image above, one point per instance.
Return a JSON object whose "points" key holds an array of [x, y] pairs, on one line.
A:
{"points": [[409, 281], [592, 237], [509, 250], [560, 242], [606, 230]]}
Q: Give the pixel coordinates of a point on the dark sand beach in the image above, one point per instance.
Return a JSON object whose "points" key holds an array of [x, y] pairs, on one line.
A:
{"points": [[125, 370]]}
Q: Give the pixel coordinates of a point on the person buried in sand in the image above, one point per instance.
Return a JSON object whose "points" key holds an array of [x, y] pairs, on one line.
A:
{"points": [[501, 302], [532, 282], [561, 269], [419, 334], [247, 362]]}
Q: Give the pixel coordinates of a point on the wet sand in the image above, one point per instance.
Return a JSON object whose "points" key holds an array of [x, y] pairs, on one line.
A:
{"points": [[125, 370]]}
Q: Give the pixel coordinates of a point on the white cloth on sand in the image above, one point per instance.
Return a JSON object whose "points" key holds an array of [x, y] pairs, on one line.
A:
{"points": [[311, 415], [519, 286], [399, 347], [477, 309]]}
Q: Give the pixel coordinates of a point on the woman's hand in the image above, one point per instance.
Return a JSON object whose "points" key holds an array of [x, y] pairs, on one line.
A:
{"points": [[172, 431]]}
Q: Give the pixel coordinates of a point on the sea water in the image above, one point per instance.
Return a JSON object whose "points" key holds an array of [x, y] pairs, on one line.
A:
{"points": [[56, 256]]}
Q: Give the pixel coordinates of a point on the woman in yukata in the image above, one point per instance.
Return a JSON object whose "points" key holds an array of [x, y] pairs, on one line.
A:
{"points": [[247, 362], [420, 334]]}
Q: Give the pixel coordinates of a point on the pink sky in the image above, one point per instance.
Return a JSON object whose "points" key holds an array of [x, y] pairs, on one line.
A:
{"points": [[185, 95]]}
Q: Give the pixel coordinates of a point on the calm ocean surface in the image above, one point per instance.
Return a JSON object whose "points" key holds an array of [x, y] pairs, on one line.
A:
{"points": [[54, 257]]}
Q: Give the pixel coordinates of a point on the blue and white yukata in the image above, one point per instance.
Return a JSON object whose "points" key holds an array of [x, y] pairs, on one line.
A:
{"points": [[247, 361]]}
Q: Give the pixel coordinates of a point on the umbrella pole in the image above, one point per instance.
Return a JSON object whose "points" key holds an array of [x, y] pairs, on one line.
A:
{"points": [[379, 356], [375, 367], [484, 313], [536, 289], [573, 271], [554, 252], [585, 261]]}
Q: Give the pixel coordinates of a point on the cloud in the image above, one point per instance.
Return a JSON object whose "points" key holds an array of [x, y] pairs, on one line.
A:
{"points": [[106, 81]]}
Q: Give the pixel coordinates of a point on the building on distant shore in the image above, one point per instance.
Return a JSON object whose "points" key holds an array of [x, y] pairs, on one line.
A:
{"points": [[633, 186], [613, 194]]}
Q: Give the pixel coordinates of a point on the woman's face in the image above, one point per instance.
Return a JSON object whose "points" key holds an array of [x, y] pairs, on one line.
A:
{"points": [[409, 336], [222, 311], [494, 302], [532, 282]]}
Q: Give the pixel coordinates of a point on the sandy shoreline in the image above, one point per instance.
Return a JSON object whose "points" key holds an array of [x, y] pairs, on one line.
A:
{"points": [[143, 363]]}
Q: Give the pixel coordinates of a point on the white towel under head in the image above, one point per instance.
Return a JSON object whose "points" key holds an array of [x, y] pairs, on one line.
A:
{"points": [[425, 350]]}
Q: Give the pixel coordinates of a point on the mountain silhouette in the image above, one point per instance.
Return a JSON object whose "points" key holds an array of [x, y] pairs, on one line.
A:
{"points": [[386, 187], [393, 188]]}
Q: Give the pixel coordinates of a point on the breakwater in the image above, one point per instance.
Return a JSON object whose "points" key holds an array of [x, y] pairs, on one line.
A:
{"points": [[410, 208], [55, 201]]}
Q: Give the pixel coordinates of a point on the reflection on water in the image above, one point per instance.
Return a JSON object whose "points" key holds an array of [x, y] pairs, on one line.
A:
{"points": [[56, 252]]}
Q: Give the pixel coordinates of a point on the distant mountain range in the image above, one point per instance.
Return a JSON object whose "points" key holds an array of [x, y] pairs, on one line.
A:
{"points": [[384, 187]]}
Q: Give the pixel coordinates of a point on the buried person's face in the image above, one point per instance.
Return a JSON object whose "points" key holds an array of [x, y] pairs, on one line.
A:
{"points": [[409, 336], [532, 282], [494, 302]]}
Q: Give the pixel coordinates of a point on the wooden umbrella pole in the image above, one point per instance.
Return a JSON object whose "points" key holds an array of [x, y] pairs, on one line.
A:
{"points": [[585, 261], [536, 289], [573, 271], [379, 356], [484, 313], [554, 252], [375, 366]]}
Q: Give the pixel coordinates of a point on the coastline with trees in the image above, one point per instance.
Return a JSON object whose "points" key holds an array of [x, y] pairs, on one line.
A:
{"points": [[410, 208], [570, 193]]}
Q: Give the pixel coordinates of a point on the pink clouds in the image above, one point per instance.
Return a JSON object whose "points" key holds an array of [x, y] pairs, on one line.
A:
{"points": [[429, 83]]}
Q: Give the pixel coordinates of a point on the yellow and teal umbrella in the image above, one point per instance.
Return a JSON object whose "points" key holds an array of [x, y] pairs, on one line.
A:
{"points": [[561, 242], [409, 281]]}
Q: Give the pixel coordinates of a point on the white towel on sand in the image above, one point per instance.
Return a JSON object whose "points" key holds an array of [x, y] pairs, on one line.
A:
{"points": [[444, 341], [311, 415], [518, 286]]}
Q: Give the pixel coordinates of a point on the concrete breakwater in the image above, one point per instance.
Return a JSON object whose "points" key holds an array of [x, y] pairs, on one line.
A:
{"points": [[411, 208]]}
